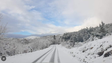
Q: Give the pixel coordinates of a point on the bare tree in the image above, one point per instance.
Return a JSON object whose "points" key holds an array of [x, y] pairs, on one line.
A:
{"points": [[3, 28]]}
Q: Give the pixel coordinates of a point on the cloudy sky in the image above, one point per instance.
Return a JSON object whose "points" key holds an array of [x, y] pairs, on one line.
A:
{"points": [[44, 17]]}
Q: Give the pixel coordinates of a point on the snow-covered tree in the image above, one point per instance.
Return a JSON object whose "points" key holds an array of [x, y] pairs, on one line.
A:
{"points": [[102, 30], [87, 34]]}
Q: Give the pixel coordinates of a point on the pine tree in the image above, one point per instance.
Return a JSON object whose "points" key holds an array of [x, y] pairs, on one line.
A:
{"points": [[54, 37], [102, 30]]}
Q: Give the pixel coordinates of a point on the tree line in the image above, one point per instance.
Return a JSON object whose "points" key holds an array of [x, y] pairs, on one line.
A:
{"points": [[88, 34]]}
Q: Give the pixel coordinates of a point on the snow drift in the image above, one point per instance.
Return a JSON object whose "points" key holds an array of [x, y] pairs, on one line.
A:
{"points": [[98, 51]]}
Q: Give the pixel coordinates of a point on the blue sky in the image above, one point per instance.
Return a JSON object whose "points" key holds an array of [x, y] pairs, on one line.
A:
{"points": [[43, 17]]}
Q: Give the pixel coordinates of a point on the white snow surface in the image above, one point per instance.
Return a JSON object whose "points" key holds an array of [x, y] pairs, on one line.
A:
{"points": [[61, 56], [24, 58], [88, 53]]}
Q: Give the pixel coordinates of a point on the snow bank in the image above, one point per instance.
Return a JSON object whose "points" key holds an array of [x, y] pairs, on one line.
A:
{"points": [[94, 51], [25, 58]]}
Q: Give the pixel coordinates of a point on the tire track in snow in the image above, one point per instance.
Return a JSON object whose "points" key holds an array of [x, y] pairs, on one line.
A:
{"points": [[45, 57], [53, 56], [42, 55], [58, 56]]}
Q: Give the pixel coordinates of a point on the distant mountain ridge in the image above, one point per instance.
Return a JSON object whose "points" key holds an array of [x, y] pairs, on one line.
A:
{"points": [[31, 37]]}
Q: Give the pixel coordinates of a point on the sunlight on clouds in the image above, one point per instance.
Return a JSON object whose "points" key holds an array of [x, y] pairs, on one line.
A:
{"points": [[90, 22]]}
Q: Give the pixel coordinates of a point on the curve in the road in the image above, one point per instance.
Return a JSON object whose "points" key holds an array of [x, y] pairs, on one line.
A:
{"points": [[42, 55]]}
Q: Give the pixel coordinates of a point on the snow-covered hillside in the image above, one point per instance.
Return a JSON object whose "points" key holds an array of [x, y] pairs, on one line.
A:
{"points": [[13, 46], [98, 51]]}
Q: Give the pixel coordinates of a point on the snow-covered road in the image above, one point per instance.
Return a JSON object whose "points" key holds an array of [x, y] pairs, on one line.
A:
{"points": [[53, 54], [57, 54]]}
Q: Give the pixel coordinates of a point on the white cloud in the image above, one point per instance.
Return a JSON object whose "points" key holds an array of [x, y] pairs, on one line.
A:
{"points": [[21, 19], [73, 15], [91, 22], [88, 12]]}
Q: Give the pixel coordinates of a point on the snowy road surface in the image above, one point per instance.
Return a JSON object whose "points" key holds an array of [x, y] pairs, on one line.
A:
{"points": [[53, 54]]}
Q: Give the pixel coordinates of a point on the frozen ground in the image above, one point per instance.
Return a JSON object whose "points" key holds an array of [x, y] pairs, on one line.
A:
{"points": [[94, 51], [90, 52], [53, 54]]}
